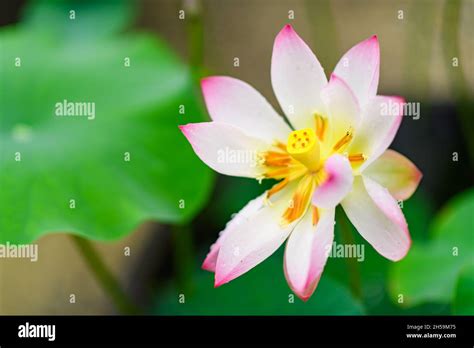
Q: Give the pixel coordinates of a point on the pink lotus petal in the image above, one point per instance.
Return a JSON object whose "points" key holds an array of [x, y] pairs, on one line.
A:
{"points": [[225, 148], [243, 215], [250, 242], [337, 184], [395, 172], [359, 67], [297, 78], [343, 110], [381, 119], [378, 218], [306, 253], [235, 102]]}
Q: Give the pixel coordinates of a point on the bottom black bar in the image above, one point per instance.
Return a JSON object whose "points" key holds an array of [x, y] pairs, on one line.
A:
{"points": [[140, 330]]}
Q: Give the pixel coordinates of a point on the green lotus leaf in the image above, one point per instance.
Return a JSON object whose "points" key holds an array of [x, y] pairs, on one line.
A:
{"points": [[430, 271], [89, 142], [463, 303]]}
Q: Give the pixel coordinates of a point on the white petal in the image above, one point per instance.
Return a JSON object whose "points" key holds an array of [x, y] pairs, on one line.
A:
{"points": [[235, 102], [343, 110], [243, 215], [359, 67], [225, 148], [381, 119], [378, 218], [252, 240], [395, 172], [337, 184], [306, 252], [297, 78]]}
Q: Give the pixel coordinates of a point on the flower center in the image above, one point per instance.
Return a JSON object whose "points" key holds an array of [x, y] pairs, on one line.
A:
{"points": [[302, 159], [303, 146]]}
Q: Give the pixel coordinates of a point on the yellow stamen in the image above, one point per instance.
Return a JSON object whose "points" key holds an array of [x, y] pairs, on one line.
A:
{"points": [[280, 145], [315, 216], [321, 125], [303, 146], [277, 173], [277, 188], [320, 176], [276, 159], [343, 141], [358, 157], [300, 199]]}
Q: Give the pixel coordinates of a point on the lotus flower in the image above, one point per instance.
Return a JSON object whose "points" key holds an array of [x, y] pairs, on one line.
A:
{"points": [[333, 151]]}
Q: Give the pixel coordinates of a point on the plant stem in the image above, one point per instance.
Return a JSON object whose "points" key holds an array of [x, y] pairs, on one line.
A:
{"points": [[352, 263], [195, 36], [103, 275]]}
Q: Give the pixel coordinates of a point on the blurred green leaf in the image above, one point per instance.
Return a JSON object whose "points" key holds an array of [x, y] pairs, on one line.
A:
{"points": [[419, 213], [427, 274], [261, 291], [64, 158], [430, 270], [464, 296], [78, 19], [454, 224]]}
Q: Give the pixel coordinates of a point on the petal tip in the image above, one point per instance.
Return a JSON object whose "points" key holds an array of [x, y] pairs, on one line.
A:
{"points": [[218, 282], [400, 99], [286, 33], [403, 249], [206, 81], [184, 129], [305, 293], [219, 278], [206, 266], [418, 176], [415, 176], [303, 298], [207, 84], [402, 255], [372, 41]]}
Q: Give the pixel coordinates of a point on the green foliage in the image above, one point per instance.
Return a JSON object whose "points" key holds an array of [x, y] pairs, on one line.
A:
{"points": [[430, 272], [464, 296], [79, 19], [261, 291], [74, 158]]}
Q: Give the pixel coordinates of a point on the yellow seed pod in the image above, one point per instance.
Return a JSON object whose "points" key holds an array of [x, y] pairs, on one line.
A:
{"points": [[303, 146]]}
